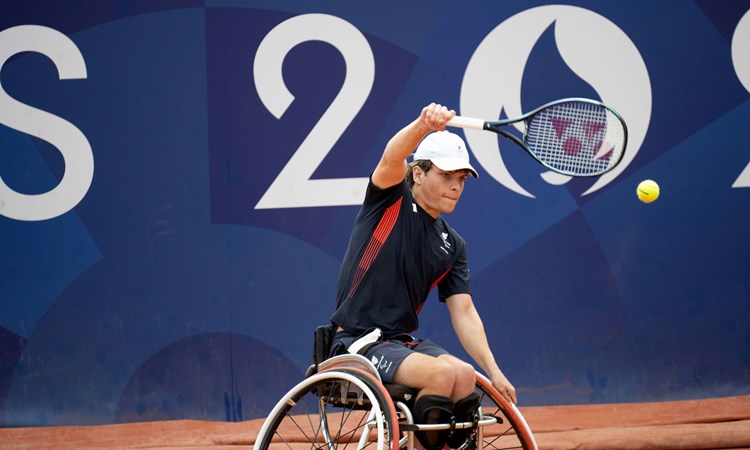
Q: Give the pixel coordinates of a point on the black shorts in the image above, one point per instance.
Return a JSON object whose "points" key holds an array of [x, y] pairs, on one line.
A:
{"points": [[387, 355]]}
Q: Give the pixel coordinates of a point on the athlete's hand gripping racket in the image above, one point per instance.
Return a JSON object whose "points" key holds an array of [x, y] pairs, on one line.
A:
{"points": [[574, 136]]}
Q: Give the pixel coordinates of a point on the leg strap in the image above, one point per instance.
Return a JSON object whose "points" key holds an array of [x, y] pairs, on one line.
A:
{"points": [[431, 409], [465, 411]]}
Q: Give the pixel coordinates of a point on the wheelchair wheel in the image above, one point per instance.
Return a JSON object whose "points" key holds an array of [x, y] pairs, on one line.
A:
{"points": [[336, 409], [511, 431]]}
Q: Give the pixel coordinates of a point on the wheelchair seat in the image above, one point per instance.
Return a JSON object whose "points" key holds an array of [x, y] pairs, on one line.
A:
{"points": [[321, 362]]}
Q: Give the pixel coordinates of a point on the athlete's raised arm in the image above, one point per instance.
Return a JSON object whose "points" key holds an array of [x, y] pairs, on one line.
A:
{"points": [[392, 166]]}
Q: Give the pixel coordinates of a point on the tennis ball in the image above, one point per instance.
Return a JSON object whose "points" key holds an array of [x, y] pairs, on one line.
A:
{"points": [[648, 191]]}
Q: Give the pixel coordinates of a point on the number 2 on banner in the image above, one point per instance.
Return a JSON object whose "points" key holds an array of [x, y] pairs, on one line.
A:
{"points": [[293, 187]]}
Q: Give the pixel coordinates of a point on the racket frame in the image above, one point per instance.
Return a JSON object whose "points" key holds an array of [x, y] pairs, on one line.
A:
{"points": [[495, 127]]}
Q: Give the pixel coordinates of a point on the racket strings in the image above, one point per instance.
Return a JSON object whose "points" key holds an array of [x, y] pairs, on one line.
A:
{"points": [[576, 138]]}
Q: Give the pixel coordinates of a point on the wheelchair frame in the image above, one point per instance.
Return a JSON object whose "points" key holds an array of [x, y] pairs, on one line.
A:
{"points": [[342, 400]]}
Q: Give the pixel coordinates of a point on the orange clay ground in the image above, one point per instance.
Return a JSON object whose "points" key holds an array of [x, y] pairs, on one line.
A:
{"points": [[722, 423]]}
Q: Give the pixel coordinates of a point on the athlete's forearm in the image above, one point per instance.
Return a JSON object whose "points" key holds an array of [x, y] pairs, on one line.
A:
{"points": [[392, 166], [471, 333]]}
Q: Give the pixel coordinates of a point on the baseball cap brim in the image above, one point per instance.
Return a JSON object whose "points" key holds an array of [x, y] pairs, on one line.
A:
{"points": [[450, 164]]}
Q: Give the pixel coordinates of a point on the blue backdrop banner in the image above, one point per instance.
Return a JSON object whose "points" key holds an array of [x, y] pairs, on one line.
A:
{"points": [[178, 180]]}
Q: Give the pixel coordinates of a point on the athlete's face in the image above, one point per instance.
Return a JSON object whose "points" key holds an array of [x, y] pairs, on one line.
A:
{"points": [[438, 191]]}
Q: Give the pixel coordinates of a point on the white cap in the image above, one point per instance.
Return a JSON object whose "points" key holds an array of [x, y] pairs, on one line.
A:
{"points": [[446, 150]]}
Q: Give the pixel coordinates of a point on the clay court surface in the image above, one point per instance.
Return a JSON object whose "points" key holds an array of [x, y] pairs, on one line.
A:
{"points": [[722, 423]]}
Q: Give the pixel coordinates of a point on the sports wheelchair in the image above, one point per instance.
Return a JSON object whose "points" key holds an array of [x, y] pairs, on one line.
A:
{"points": [[342, 403]]}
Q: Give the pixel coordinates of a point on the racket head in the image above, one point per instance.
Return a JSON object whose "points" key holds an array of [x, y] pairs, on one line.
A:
{"points": [[577, 137]]}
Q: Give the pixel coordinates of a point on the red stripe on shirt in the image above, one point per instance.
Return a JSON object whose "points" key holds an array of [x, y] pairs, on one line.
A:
{"points": [[379, 236], [440, 278], [435, 283]]}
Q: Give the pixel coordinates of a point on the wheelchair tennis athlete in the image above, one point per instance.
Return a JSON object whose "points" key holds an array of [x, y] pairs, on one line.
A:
{"points": [[400, 248]]}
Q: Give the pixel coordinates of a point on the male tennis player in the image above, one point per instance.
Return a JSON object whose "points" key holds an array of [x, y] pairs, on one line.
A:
{"points": [[400, 248]]}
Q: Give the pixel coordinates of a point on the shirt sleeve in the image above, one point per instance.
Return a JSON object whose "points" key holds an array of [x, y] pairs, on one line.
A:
{"points": [[376, 197], [457, 280]]}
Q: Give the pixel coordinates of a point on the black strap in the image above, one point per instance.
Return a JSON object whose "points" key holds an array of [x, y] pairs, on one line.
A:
{"points": [[322, 343]]}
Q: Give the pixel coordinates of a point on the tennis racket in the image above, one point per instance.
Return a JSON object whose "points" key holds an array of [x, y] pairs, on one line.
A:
{"points": [[573, 136]]}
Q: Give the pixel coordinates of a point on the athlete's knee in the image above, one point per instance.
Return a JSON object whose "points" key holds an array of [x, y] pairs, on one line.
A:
{"points": [[443, 373], [464, 372], [465, 377], [440, 377]]}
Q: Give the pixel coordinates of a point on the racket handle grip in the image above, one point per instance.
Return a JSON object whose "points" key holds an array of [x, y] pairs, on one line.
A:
{"points": [[466, 122]]}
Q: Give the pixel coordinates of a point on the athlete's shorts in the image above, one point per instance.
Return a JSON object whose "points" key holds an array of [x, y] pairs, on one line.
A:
{"points": [[387, 355]]}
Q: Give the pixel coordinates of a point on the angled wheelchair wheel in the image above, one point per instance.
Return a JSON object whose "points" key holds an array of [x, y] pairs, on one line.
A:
{"points": [[336, 409], [511, 431]]}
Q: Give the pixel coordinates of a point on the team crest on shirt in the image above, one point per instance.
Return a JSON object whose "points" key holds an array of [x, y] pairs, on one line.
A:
{"points": [[446, 245]]}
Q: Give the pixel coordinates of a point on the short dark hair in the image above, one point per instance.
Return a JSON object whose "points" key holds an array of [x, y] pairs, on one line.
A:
{"points": [[424, 164]]}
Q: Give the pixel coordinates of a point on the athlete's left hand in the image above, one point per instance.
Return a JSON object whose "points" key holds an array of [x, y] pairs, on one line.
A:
{"points": [[505, 388]]}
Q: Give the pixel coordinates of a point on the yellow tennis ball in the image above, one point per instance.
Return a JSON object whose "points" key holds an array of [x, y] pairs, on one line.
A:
{"points": [[648, 191]]}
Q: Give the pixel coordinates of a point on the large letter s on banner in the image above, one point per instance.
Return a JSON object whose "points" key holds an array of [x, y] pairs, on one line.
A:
{"points": [[69, 140]]}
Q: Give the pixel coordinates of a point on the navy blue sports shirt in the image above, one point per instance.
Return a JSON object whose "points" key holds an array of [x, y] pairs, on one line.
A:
{"points": [[397, 253]]}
